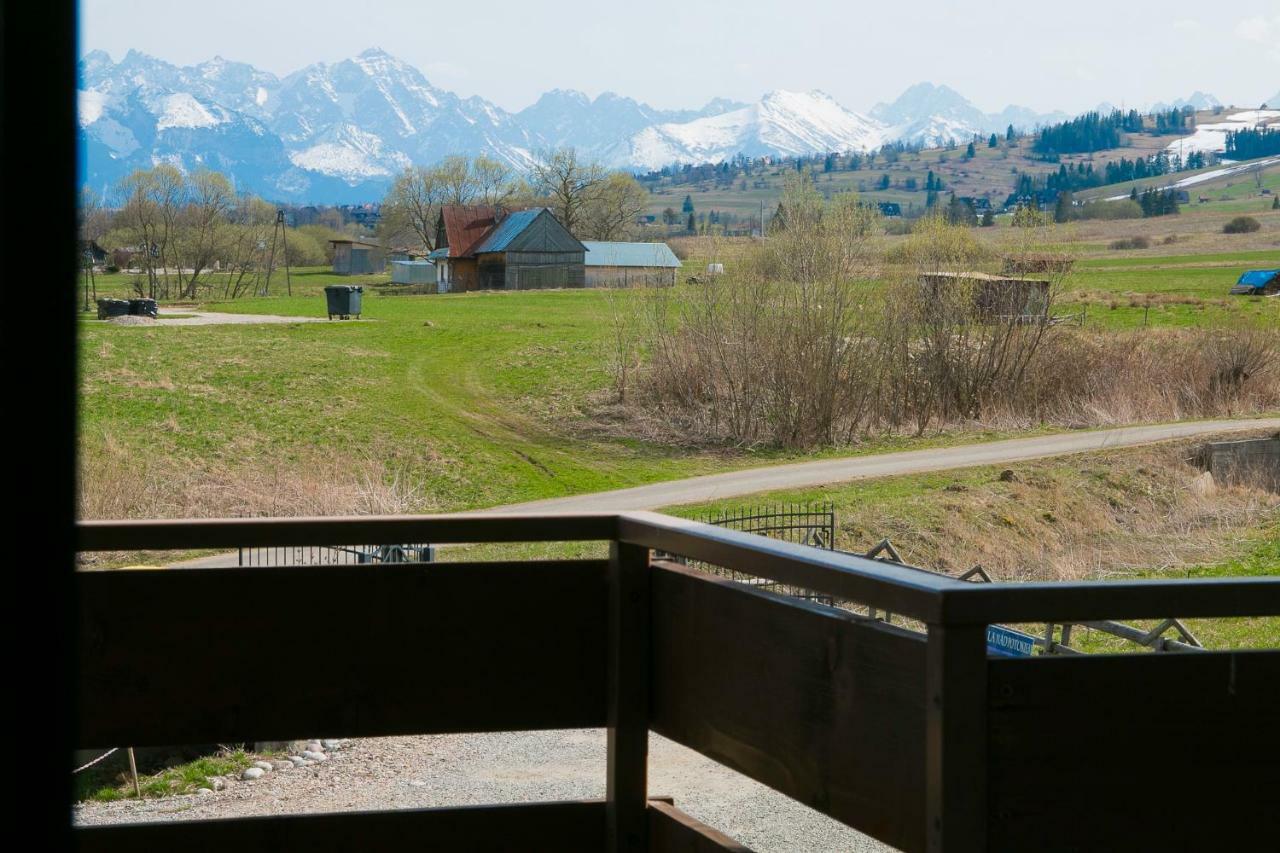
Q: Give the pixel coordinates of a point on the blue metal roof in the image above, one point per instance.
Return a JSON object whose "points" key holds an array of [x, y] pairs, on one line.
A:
{"points": [[438, 254], [601, 254], [1258, 278], [507, 230]]}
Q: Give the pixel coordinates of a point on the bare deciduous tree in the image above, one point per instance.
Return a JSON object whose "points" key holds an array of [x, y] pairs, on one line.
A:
{"points": [[611, 208], [569, 181]]}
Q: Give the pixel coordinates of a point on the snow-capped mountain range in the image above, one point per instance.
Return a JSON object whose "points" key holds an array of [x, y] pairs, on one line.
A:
{"points": [[334, 132]]}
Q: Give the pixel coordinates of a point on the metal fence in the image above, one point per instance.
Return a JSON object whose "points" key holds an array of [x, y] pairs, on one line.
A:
{"points": [[798, 523], [336, 555]]}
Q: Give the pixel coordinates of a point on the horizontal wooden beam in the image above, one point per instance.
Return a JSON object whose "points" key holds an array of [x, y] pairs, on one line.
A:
{"points": [[233, 655], [673, 831], [1094, 600], [551, 826], [184, 534], [898, 589]]}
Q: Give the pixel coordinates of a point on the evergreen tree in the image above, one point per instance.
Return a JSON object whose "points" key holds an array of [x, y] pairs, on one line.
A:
{"points": [[969, 152], [687, 207], [1062, 210], [1009, 135], [690, 226], [993, 142], [989, 219], [1275, 203], [884, 181]]}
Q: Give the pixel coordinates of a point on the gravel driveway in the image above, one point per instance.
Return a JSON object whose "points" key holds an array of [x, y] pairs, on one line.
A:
{"points": [[218, 318], [448, 770]]}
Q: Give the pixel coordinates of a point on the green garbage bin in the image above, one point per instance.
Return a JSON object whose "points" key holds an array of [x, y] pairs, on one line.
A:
{"points": [[108, 308], [343, 300]]}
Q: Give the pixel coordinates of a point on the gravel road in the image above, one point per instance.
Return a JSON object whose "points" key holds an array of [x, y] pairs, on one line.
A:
{"points": [[217, 318], [449, 770]]}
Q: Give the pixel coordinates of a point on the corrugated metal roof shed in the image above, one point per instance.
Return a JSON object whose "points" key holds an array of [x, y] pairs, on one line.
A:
{"points": [[606, 254], [507, 230], [413, 272]]}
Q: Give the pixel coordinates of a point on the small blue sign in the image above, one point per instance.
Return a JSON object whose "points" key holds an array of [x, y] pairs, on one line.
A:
{"points": [[1009, 643]]}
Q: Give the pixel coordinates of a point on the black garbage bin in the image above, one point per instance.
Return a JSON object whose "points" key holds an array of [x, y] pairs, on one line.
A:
{"points": [[108, 308], [143, 308], [343, 300]]}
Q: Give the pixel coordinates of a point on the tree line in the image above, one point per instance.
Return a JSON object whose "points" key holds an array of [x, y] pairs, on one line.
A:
{"points": [[179, 229], [1248, 144], [591, 201]]}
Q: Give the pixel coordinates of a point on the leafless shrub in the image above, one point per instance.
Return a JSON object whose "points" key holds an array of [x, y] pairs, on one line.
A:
{"points": [[813, 338]]}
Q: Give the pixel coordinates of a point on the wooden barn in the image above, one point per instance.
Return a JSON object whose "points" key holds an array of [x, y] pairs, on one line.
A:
{"points": [[622, 264], [355, 257], [480, 248]]}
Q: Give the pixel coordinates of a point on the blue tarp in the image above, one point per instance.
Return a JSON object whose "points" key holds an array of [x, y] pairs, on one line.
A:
{"points": [[1258, 278]]}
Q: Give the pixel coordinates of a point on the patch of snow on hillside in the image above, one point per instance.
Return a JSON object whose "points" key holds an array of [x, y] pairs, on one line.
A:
{"points": [[1211, 137], [182, 110], [261, 97], [352, 155], [115, 136], [1212, 174], [89, 105]]}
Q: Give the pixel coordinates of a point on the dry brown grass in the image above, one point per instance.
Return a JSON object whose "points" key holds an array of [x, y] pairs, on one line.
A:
{"points": [[1095, 516], [118, 484]]}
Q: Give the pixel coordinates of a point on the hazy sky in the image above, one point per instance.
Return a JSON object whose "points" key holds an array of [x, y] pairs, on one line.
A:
{"points": [[1044, 55]]}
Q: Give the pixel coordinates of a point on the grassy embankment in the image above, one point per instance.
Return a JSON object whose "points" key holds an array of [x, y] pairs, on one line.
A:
{"points": [[1124, 514]]}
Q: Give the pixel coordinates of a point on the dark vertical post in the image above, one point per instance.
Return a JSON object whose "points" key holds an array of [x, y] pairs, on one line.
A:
{"points": [[628, 697], [40, 180], [956, 739]]}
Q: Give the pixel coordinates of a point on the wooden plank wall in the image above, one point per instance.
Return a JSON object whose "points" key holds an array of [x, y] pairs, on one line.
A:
{"points": [[827, 708], [1136, 752], [214, 655]]}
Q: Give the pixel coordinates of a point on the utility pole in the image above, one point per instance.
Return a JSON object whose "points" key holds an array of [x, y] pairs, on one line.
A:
{"points": [[281, 232]]}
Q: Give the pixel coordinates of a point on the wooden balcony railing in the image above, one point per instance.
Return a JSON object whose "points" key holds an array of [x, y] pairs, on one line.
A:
{"points": [[924, 742]]}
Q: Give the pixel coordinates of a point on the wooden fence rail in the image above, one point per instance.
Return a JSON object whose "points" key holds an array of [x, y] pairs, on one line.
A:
{"points": [[925, 743]]}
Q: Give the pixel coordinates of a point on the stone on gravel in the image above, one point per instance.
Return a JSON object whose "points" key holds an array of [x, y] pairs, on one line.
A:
{"points": [[251, 773], [331, 744], [265, 766], [312, 755], [218, 783], [298, 761], [315, 746]]}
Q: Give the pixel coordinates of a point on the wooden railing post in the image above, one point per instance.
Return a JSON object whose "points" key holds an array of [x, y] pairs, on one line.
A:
{"points": [[628, 699], [956, 739]]}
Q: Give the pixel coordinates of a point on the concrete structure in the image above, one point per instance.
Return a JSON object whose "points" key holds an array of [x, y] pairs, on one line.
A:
{"points": [[1251, 462], [995, 296], [611, 264]]}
